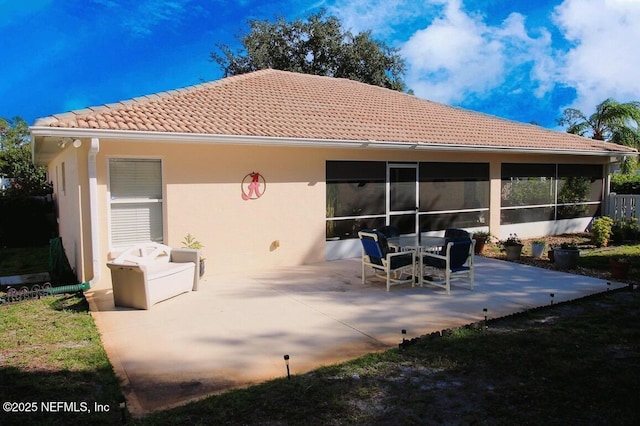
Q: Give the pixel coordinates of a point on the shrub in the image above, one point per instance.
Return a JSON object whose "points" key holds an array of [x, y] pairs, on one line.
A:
{"points": [[625, 229], [601, 231], [625, 183], [26, 221]]}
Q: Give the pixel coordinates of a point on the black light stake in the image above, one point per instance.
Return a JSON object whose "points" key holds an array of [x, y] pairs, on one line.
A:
{"points": [[485, 310], [122, 402], [286, 361], [404, 341], [552, 295]]}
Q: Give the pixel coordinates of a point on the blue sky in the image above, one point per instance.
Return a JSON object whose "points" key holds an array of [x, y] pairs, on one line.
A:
{"points": [[521, 60]]}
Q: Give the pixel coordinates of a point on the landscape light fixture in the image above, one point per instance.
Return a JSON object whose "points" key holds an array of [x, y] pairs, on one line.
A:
{"points": [[122, 403], [286, 362], [404, 341], [552, 296]]}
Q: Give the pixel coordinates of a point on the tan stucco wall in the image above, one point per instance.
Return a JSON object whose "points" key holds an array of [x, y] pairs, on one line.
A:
{"points": [[286, 226], [68, 172], [203, 197]]}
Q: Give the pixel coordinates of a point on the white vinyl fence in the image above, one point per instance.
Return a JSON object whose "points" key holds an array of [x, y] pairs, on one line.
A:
{"points": [[623, 206]]}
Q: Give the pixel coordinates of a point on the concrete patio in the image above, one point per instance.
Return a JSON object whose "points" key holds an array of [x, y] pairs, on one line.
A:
{"points": [[236, 329]]}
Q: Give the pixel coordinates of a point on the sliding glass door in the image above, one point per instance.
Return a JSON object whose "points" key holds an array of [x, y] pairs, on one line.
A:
{"points": [[402, 197]]}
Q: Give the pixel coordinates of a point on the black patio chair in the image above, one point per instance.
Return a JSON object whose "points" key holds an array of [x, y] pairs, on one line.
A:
{"points": [[387, 264], [454, 259]]}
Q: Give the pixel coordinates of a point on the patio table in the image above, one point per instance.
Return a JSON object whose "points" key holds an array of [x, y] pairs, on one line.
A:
{"points": [[413, 242], [418, 244]]}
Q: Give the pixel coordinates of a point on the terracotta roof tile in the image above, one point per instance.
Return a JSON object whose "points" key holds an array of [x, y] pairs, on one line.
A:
{"points": [[283, 104]]}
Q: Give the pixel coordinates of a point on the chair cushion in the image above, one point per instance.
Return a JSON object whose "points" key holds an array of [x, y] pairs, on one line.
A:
{"points": [[389, 231], [375, 250], [459, 254], [432, 261], [456, 234], [401, 261], [382, 240]]}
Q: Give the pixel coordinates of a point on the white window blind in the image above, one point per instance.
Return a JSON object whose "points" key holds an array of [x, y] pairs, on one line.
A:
{"points": [[135, 186]]}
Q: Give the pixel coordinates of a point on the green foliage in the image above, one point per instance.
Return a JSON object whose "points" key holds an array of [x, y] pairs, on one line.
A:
{"points": [[24, 260], [13, 133], [625, 230], [612, 122], [51, 351], [15, 160], [190, 242], [573, 189], [513, 240], [569, 245], [527, 191], [482, 234], [602, 231], [316, 46], [625, 183], [26, 221], [599, 259]]}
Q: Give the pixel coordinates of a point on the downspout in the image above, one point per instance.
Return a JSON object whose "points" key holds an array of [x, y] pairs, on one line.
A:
{"points": [[94, 148]]}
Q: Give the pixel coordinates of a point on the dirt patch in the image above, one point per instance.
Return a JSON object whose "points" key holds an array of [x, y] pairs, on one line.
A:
{"points": [[582, 240]]}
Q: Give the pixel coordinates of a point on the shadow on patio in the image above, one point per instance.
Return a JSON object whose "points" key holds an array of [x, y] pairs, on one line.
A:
{"points": [[235, 331]]}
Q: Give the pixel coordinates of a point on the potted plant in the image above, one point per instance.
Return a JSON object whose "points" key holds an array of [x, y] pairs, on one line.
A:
{"points": [[481, 238], [537, 248], [619, 267], [566, 256], [512, 246], [190, 242]]}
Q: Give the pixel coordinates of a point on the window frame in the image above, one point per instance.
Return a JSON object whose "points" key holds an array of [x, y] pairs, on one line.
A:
{"points": [[351, 222], [111, 202], [591, 206]]}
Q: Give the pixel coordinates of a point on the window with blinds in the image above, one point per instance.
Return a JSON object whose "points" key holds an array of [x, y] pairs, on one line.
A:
{"points": [[135, 187]]}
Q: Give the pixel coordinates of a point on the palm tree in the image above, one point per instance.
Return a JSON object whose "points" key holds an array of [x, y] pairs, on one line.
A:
{"points": [[611, 122]]}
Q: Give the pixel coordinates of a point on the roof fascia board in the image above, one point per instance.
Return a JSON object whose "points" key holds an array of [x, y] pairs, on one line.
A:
{"points": [[45, 131]]}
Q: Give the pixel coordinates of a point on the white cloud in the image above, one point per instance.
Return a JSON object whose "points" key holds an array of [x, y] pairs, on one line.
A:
{"points": [[460, 57], [604, 59], [145, 16], [385, 18], [457, 56]]}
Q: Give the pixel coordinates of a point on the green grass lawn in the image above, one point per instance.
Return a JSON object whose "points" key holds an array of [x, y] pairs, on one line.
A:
{"points": [[567, 364], [20, 261], [570, 363], [599, 258], [50, 352]]}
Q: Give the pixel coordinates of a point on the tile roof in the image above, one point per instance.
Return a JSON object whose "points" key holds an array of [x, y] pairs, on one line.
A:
{"points": [[271, 103]]}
